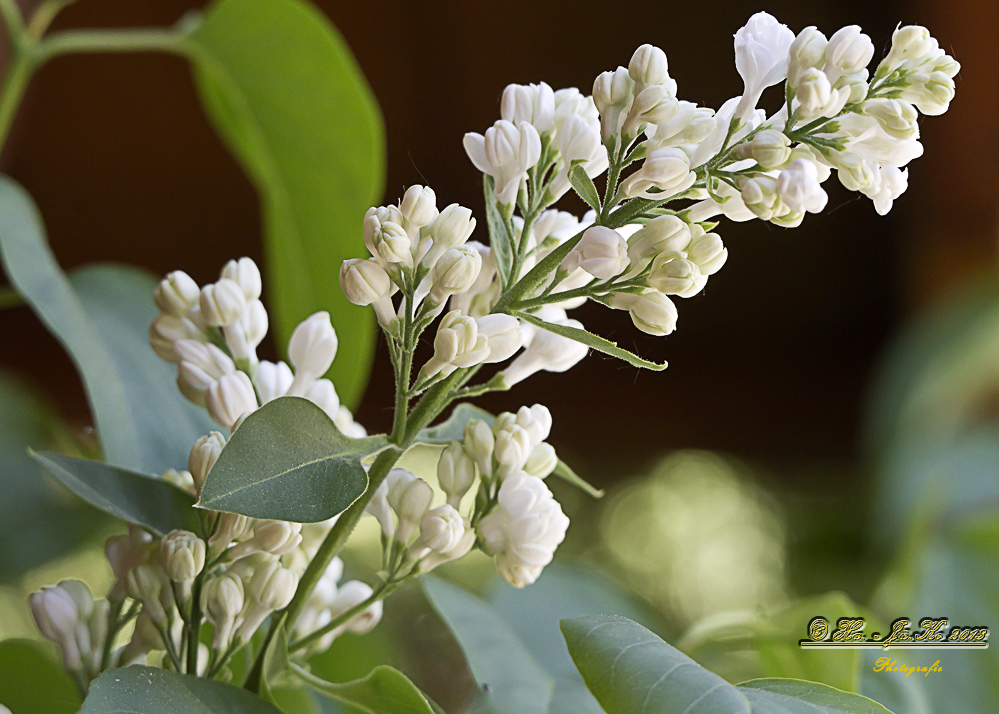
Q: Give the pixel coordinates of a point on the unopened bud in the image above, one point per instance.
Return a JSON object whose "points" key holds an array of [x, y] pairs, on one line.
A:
{"points": [[245, 273], [542, 461], [176, 294], [455, 472], [222, 303]]}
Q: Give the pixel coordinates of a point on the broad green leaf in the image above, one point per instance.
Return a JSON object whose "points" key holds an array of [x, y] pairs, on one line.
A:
{"points": [[147, 690], [499, 240], [534, 613], [632, 671], [596, 342], [283, 90], [453, 428], [794, 696], [287, 461], [33, 682], [37, 522], [102, 318], [511, 680], [384, 691], [136, 498], [583, 185]]}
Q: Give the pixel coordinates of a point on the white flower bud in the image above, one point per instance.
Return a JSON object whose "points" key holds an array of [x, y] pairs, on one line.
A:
{"points": [[55, 613], [322, 393], [176, 294], [351, 594], [770, 148], [513, 447], [524, 529], [202, 364], [272, 586], [204, 454], [690, 125], [364, 281], [272, 380], [245, 273], [931, 93], [601, 252], [254, 323], [856, 83], [664, 235], [909, 43], [166, 330], [893, 184], [479, 441], [542, 461], [503, 336], [456, 471], [896, 116], [506, 152], [454, 272], [222, 600], [450, 229], [816, 96], [274, 537], [146, 583], [537, 420], [123, 553], [183, 555], [578, 143], [230, 398], [418, 208], [457, 344], [222, 303], [667, 170], [548, 352], [311, 350], [231, 527], [612, 95], [799, 187], [388, 241], [649, 66], [808, 50], [653, 105], [676, 276], [383, 500], [441, 529], [410, 501], [707, 251], [531, 103], [652, 312], [759, 193], [849, 51], [856, 172]]}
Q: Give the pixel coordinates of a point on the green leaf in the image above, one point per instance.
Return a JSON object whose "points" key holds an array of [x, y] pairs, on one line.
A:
{"points": [[384, 691], [102, 318], [794, 696], [287, 461], [453, 429], [500, 242], [632, 671], [147, 690], [282, 88], [583, 185], [142, 500], [511, 680], [37, 522], [31, 682], [596, 342], [565, 473]]}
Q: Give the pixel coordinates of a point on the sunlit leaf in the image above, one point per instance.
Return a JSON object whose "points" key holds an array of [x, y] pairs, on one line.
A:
{"points": [[280, 85], [384, 691], [287, 461]]}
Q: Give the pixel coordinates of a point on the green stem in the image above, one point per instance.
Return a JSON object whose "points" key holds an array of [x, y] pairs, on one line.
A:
{"points": [[15, 84], [134, 40], [381, 592], [194, 624], [115, 621], [329, 549], [431, 404], [44, 16], [496, 384]]}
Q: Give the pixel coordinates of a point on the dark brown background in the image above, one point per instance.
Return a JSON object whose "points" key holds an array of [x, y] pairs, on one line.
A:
{"points": [[772, 360]]}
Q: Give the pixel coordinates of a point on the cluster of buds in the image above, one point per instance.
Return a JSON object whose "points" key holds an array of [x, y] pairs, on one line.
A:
{"points": [[68, 615], [329, 600], [211, 334]]}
